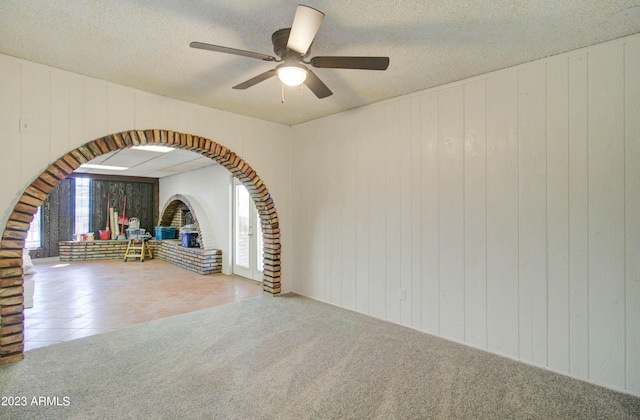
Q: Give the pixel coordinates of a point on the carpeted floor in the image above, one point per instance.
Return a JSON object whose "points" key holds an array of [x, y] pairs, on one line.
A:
{"points": [[289, 358]]}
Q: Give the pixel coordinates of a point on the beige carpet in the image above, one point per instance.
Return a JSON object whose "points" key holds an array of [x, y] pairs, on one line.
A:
{"points": [[289, 358]]}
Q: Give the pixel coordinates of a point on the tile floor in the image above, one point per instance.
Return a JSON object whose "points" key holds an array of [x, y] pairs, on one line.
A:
{"points": [[74, 300]]}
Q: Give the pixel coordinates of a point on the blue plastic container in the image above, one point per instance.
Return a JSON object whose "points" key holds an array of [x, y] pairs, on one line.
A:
{"points": [[165, 232], [188, 239]]}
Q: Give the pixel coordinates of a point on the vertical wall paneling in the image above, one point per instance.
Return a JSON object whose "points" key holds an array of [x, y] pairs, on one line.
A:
{"points": [[502, 214], [319, 224], [325, 188], [188, 119], [120, 109], [475, 213], [10, 105], [335, 209], [169, 115], [76, 112], [225, 134], [405, 187], [558, 214], [302, 219], [60, 113], [532, 208], [451, 211], [430, 224], [606, 216], [323, 224], [311, 282], [348, 227], [416, 213], [95, 109], [229, 131], [377, 240], [306, 190], [299, 218], [578, 218], [324, 205], [277, 153], [207, 119], [36, 107], [392, 198], [363, 223], [506, 206], [326, 198], [632, 212]]}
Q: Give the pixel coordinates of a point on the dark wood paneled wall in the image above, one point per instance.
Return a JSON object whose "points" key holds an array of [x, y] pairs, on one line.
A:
{"points": [[141, 202], [58, 219], [58, 210]]}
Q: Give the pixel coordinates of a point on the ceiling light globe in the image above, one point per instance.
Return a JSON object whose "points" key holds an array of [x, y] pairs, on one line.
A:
{"points": [[292, 75]]}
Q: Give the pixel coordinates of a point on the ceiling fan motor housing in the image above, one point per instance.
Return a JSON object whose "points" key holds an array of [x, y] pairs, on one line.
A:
{"points": [[279, 40]]}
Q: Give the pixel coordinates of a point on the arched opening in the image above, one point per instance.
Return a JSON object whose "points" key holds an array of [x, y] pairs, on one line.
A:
{"points": [[179, 211], [15, 232]]}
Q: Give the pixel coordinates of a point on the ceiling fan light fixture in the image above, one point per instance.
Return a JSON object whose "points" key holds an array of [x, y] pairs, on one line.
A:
{"points": [[292, 75]]}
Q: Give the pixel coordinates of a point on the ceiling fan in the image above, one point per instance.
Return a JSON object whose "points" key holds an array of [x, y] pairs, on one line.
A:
{"points": [[292, 45]]}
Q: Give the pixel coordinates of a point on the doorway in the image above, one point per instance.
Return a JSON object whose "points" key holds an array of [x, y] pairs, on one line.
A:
{"points": [[247, 235]]}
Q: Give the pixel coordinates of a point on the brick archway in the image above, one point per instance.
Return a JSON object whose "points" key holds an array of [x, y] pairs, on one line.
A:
{"points": [[15, 232], [167, 212]]}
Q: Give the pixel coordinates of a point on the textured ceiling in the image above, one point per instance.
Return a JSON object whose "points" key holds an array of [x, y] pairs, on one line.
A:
{"points": [[145, 44]]}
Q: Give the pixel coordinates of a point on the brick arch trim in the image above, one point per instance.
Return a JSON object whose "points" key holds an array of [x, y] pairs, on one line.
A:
{"points": [[17, 226]]}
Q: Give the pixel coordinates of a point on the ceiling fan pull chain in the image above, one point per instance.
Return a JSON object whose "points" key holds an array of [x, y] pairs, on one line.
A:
{"points": [[282, 87]]}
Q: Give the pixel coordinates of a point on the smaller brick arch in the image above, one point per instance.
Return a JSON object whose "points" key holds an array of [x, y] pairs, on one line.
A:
{"points": [[17, 226], [173, 203]]}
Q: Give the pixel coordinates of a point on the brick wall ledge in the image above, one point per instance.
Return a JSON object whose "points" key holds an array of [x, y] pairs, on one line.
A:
{"points": [[97, 241], [177, 243], [201, 261]]}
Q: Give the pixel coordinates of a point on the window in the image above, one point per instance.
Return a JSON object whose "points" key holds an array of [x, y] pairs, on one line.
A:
{"points": [[34, 236], [82, 205]]}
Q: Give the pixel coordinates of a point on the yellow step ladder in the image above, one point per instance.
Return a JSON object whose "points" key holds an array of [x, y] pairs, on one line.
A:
{"points": [[141, 249]]}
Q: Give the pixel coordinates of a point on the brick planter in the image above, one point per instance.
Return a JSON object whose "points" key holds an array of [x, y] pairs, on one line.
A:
{"points": [[201, 261]]}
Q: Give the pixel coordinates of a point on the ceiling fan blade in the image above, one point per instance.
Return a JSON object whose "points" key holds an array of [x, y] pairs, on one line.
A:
{"points": [[317, 86], [255, 80], [360, 63], [305, 25], [227, 50]]}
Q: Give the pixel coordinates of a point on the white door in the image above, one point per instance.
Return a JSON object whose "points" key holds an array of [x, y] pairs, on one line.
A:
{"points": [[247, 235]]}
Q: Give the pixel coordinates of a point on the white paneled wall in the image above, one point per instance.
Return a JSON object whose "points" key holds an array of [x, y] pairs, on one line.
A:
{"points": [[211, 189], [66, 110], [502, 212], [578, 219], [632, 210]]}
